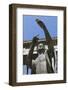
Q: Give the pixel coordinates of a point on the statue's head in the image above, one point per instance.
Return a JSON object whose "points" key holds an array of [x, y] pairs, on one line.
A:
{"points": [[41, 48]]}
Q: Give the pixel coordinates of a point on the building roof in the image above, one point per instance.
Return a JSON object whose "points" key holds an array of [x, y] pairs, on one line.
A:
{"points": [[27, 44]]}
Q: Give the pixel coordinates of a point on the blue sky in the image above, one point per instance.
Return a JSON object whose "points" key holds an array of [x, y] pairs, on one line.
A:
{"points": [[31, 28]]}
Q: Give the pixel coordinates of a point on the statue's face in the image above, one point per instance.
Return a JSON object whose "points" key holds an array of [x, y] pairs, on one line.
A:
{"points": [[41, 46]]}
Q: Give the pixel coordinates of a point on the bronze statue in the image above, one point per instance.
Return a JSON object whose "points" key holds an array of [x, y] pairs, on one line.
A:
{"points": [[50, 51]]}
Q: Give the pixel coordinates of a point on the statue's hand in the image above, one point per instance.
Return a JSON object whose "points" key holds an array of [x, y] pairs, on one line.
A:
{"points": [[35, 40]]}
